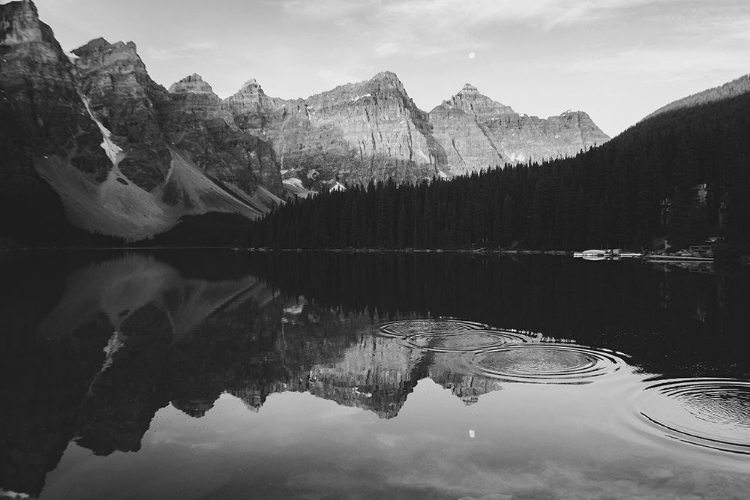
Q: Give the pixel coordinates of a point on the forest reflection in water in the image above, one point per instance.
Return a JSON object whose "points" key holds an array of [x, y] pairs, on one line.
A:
{"points": [[579, 374]]}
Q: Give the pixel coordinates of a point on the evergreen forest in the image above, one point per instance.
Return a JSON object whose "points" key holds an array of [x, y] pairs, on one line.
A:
{"points": [[681, 177]]}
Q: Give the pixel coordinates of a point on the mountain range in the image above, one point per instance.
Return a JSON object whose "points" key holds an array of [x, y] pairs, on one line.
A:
{"points": [[89, 139]]}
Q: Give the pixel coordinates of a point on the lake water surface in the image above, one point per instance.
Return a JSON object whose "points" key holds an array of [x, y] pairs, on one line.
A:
{"points": [[213, 374]]}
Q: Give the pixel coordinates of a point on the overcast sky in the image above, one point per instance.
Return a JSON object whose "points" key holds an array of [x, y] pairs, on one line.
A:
{"points": [[618, 60]]}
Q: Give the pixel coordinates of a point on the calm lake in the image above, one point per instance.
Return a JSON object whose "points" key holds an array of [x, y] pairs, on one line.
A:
{"points": [[217, 374]]}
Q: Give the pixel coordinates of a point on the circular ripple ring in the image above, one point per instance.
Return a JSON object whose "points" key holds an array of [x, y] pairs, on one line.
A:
{"points": [[459, 342], [545, 363], [714, 413], [408, 328]]}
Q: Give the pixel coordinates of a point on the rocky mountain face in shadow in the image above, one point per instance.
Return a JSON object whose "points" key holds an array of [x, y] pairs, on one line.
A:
{"points": [[93, 136], [197, 121], [90, 138], [40, 116]]}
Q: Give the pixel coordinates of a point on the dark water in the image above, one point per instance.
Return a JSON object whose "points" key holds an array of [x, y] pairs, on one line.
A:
{"points": [[231, 375]]}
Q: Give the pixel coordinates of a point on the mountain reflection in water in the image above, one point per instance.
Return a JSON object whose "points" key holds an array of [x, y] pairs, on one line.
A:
{"points": [[95, 347]]}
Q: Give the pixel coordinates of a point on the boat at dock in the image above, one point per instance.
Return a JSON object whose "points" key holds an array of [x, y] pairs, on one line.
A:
{"points": [[606, 254], [617, 254]]}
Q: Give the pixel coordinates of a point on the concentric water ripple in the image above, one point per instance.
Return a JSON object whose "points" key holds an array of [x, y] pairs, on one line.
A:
{"points": [[714, 413], [403, 329], [462, 341], [449, 336], [545, 363]]}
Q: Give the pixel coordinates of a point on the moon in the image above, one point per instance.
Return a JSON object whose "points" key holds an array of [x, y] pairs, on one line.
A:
{"points": [[472, 55]]}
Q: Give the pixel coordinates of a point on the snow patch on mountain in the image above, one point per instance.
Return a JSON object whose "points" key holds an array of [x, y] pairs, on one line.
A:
{"points": [[108, 145]]}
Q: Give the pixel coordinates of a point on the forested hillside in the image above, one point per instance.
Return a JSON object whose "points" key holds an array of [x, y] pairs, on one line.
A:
{"points": [[683, 175]]}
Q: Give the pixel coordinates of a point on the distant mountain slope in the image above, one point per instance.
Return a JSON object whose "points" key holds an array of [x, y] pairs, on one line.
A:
{"points": [[730, 89]]}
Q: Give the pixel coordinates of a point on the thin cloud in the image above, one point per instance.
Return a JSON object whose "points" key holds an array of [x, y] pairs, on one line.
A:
{"points": [[724, 29], [181, 51], [387, 50], [426, 28], [459, 21], [545, 13], [659, 64], [328, 9]]}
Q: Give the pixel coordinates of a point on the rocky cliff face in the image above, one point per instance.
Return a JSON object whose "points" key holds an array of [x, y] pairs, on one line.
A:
{"points": [[478, 133], [460, 126], [198, 122], [524, 138], [120, 95], [355, 132]]}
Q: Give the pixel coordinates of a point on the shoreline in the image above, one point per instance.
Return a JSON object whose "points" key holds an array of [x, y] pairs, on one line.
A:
{"points": [[477, 251]]}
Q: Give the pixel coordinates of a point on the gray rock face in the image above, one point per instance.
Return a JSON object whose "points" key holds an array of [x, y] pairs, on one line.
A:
{"points": [[471, 101], [37, 90], [478, 133], [197, 121], [467, 142], [523, 138], [355, 132], [193, 84], [113, 80]]}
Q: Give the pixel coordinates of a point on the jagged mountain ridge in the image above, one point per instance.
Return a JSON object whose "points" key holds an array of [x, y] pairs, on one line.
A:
{"points": [[355, 132], [373, 130], [93, 139]]}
